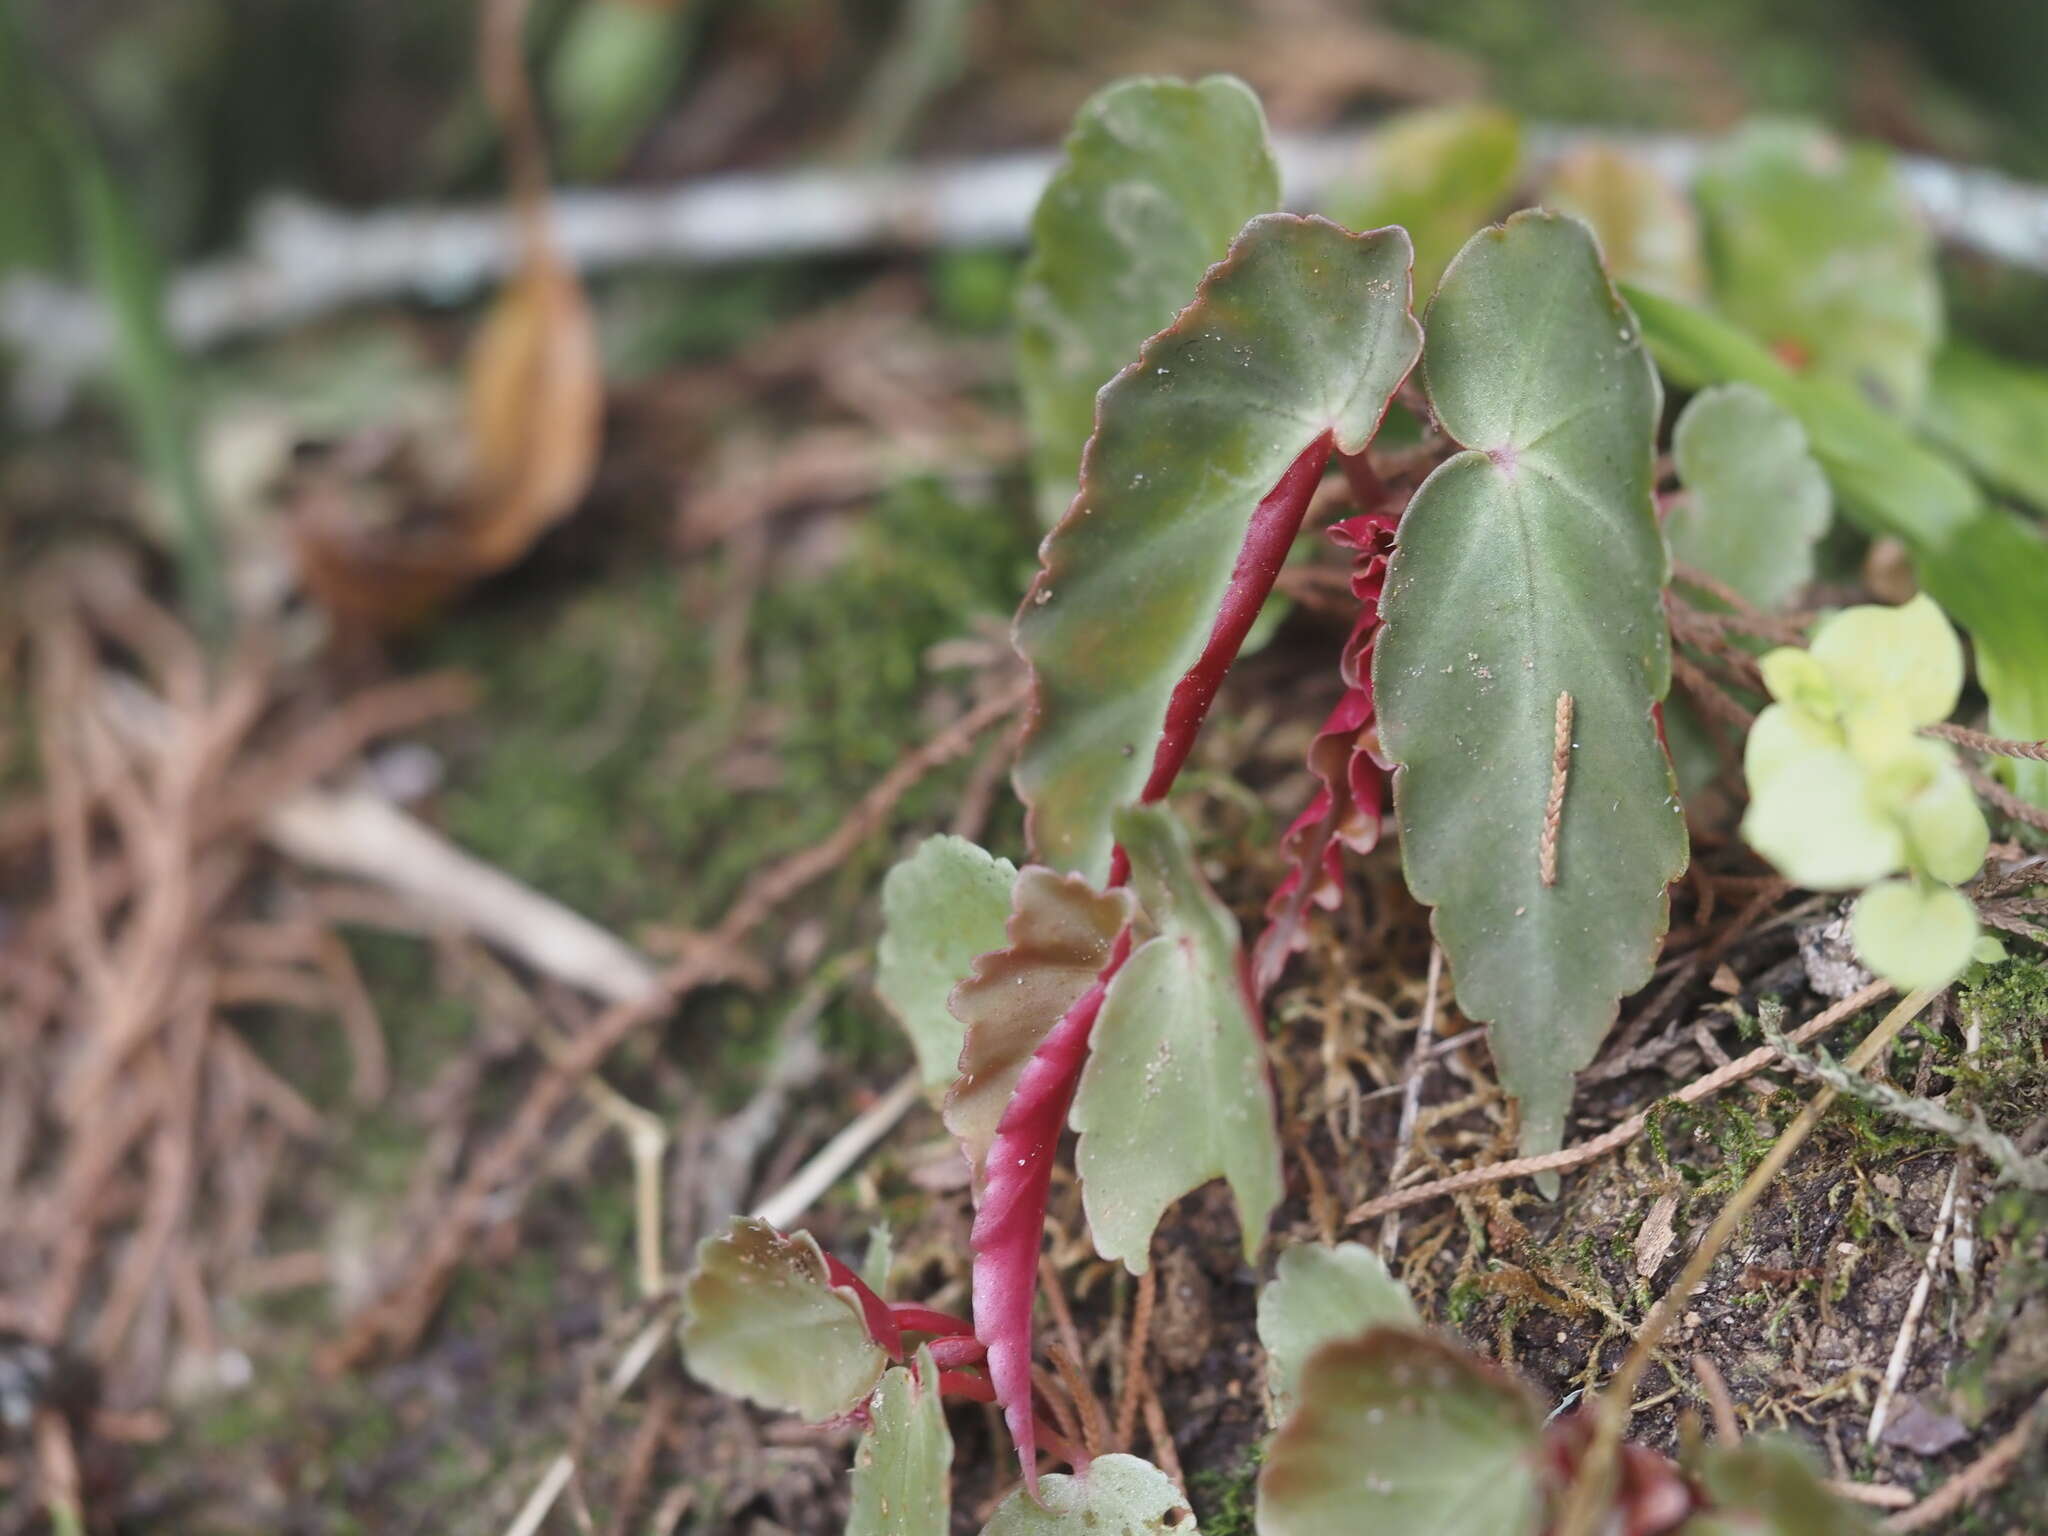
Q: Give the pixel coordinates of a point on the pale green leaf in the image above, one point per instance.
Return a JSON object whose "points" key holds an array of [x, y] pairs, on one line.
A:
{"points": [[1914, 934], [1946, 834], [610, 76], [1528, 566], [1815, 247], [1993, 415], [1907, 658], [1318, 1294], [1301, 335], [1439, 173], [1985, 566], [1155, 178], [942, 907], [1766, 1486], [762, 1320], [1647, 230], [1756, 503], [1399, 1434], [903, 1469], [1175, 1090], [1811, 816], [1114, 1495]]}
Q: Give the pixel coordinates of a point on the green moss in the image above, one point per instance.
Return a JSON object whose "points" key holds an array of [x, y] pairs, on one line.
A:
{"points": [[1226, 1499]]}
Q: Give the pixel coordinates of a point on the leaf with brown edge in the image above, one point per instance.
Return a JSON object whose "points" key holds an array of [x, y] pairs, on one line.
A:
{"points": [[1060, 933], [1175, 1090], [1401, 1434], [1205, 454], [1529, 569], [764, 1318], [1153, 181]]}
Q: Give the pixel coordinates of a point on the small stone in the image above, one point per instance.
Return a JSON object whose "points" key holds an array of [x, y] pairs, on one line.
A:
{"points": [[1923, 1431]]}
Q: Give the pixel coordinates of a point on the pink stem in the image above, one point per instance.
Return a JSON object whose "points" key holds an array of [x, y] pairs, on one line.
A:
{"points": [[914, 1319]]}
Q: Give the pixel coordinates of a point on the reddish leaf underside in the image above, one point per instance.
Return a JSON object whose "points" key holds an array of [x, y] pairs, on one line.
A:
{"points": [[1010, 1222], [1349, 809]]}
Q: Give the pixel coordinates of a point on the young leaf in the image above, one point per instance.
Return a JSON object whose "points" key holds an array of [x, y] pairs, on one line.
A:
{"points": [[1993, 415], [1175, 1091], [1986, 567], [1402, 1435], [1318, 1294], [1112, 1496], [1439, 173], [1648, 232], [942, 907], [1014, 1177], [1156, 177], [1756, 502], [1348, 811], [903, 1470], [1530, 567], [1204, 457], [765, 1318], [1815, 247], [1060, 934], [1766, 1487]]}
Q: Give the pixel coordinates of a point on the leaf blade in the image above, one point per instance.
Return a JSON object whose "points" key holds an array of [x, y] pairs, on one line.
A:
{"points": [[1757, 501], [1318, 1294], [1193, 486], [942, 908], [902, 1470], [1528, 566], [1114, 1495], [1175, 1090], [1155, 178]]}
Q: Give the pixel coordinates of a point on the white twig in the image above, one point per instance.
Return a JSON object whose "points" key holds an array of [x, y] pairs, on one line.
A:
{"points": [[1909, 1326], [303, 261], [362, 834], [1411, 1095]]}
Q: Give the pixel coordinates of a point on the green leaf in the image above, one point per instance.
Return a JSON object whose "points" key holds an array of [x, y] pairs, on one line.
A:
{"points": [[1156, 177], [1439, 173], [1766, 1487], [611, 74], [1905, 659], [1648, 232], [1112, 1496], [1528, 566], [1175, 1091], [1985, 566], [1400, 1434], [763, 1321], [1809, 812], [1993, 415], [1300, 336], [1913, 934], [1318, 1294], [1815, 247], [1756, 502], [903, 1470], [1057, 941], [942, 908]]}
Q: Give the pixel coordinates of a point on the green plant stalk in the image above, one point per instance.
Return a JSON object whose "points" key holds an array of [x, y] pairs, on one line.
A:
{"points": [[1591, 1488]]}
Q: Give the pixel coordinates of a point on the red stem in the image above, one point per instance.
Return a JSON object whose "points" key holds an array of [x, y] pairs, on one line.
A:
{"points": [[915, 1319]]}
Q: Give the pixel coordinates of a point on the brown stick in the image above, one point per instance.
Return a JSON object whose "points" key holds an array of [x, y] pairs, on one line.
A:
{"points": [[1134, 1357], [393, 1323], [1628, 1130], [1560, 769], [1996, 746]]}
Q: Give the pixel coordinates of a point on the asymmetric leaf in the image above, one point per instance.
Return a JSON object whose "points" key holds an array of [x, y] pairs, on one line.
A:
{"points": [[1318, 1294], [1815, 247], [1985, 566], [763, 1319], [1175, 1091], [942, 908], [1205, 454], [1155, 178], [1059, 936], [1400, 1434], [1756, 502], [1648, 232], [903, 1470], [1113, 1496], [1530, 566]]}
